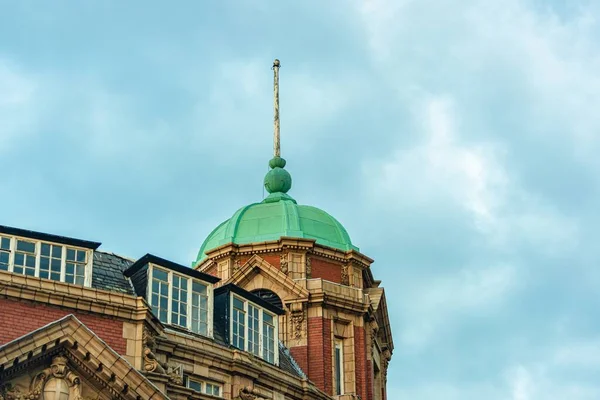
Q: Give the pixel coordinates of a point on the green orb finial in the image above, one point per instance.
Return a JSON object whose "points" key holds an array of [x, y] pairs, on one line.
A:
{"points": [[278, 180]]}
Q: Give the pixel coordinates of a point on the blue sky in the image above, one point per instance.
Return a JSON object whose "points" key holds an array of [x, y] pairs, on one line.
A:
{"points": [[457, 141]]}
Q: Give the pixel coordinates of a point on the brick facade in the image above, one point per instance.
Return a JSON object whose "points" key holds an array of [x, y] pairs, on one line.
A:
{"points": [[360, 360], [18, 318], [326, 270]]}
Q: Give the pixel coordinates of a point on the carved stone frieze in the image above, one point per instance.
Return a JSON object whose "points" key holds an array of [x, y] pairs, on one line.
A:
{"points": [[57, 382], [249, 394], [308, 267], [175, 373], [237, 264]]}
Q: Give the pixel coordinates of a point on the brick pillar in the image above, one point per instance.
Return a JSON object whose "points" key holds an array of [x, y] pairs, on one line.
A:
{"points": [[319, 363], [360, 361]]}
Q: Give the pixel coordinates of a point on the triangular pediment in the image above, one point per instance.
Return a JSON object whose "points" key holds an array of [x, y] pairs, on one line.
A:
{"points": [[256, 273], [66, 360]]}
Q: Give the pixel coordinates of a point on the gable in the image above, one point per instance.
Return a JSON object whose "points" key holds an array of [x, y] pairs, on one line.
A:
{"points": [[64, 360], [257, 274]]}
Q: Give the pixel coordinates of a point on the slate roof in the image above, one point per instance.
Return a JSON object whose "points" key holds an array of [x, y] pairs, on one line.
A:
{"points": [[108, 275], [108, 270]]}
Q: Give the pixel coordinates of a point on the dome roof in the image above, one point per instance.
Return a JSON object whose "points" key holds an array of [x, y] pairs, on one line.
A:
{"points": [[277, 216]]}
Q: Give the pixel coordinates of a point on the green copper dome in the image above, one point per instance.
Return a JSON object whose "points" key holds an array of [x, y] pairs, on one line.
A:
{"points": [[276, 216]]}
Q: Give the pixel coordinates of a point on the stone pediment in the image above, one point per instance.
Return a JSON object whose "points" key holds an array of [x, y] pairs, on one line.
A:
{"points": [[64, 360], [257, 273]]}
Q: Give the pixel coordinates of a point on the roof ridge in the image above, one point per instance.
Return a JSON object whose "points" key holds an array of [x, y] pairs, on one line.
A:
{"points": [[116, 255]]}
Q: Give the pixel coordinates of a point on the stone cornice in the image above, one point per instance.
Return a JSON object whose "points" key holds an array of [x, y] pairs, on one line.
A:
{"points": [[74, 297], [285, 243], [232, 361], [332, 294]]}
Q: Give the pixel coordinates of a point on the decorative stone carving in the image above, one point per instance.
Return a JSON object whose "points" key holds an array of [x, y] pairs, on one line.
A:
{"points": [[308, 267], [297, 324], [283, 262], [249, 394], [55, 383], [345, 276], [151, 364], [237, 264], [175, 374]]}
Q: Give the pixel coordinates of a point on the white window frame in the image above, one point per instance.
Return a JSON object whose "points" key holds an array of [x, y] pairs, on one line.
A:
{"points": [[262, 311], [209, 294], [338, 343], [89, 254], [203, 384]]}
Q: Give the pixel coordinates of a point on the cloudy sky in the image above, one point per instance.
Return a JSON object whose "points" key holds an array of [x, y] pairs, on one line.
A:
{"points": [[457, 141]]}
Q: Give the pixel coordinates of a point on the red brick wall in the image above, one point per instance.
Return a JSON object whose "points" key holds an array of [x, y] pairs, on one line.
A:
{"points": [[370, 380], [326, 270], [300, 354], [19, 318], [213, 271], [319, 353], [360, 359]]}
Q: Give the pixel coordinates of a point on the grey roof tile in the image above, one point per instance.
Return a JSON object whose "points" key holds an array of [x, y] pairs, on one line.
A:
{"points": [[108, 273]]}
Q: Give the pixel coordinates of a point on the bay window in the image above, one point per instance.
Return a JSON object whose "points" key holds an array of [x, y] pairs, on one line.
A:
{"points": [[180, 300], [254, 329]]}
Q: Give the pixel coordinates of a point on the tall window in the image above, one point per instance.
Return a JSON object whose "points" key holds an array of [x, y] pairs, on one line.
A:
{"points": [[4, 253], [180, 300], [25, 258], [199, 308], [160, 294], [45, 260], [75, 271], [239, 324], [338, 367], [254, 330], [269, 337], [51, 261]]}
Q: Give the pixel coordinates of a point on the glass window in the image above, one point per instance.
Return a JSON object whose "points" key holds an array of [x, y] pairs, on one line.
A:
{"points": [[239, 324], [160, 294], [253, 330], [179, 301], [195, 385], [75, 266], [50, 261], [4, 253], [199, 308], [214, 390], [25, 258], [268, 338], [338, 365]]}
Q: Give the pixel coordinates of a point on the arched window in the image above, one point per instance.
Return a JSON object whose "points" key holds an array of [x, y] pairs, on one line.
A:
{"points": [[269, 296]]}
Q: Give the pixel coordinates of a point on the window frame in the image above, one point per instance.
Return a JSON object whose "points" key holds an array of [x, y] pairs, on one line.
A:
{"points": [[189, 305], [261, 323], [338, 344], [89, 253], [203, 385]]}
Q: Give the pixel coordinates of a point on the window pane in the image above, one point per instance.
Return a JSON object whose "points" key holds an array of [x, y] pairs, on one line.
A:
{"points": [[45, 249], [160, 294], [253, 330], [194, 385], [160, 274], [70, 254], [28, 247], [237, 303], [5, 243], [199, 288], [4, 257], [57, 251], [80, 256]]}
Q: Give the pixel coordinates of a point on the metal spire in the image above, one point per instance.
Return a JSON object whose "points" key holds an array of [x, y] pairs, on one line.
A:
{"points": [[276, 134]]}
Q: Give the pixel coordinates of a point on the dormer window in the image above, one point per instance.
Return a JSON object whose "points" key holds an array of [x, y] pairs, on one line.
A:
{"points": [[46, 256], [179, 296], [180, 300], [253, 329]]}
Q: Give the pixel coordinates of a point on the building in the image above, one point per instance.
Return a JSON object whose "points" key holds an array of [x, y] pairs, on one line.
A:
{"points": [[279, 304]]}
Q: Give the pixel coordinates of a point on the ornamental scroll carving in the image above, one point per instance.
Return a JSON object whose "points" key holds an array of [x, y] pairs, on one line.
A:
{"points": [[308, 267], [55, 383], [151, 364], [237, 264], [175, 373], [297, 324]]}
